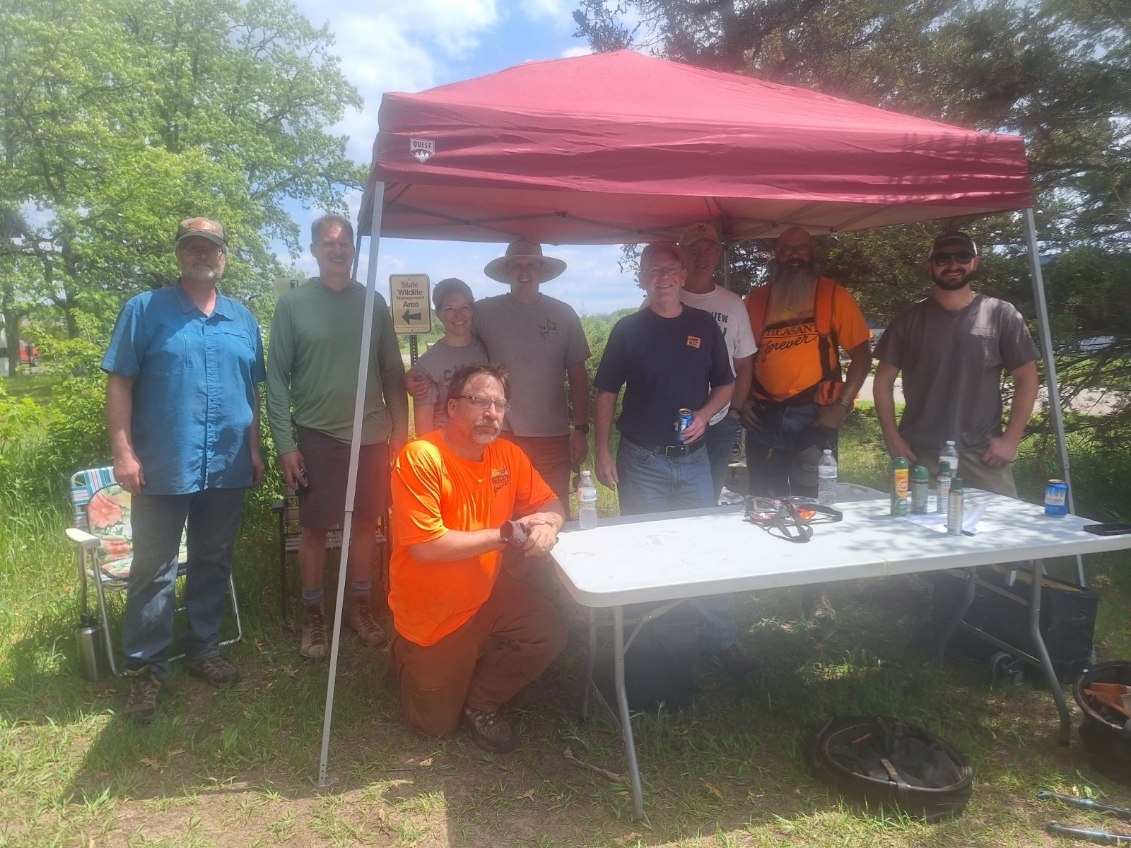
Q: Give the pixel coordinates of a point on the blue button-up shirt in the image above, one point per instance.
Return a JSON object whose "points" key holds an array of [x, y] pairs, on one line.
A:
{"points": [[194, 387]]}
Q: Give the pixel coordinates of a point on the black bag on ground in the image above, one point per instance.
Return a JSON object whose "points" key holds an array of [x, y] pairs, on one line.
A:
{"points": [[1067, 622], [1105, 731], [660, 663], [893, 765]]}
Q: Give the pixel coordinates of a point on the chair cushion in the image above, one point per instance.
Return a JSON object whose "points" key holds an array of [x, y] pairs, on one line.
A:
{"points": [[108, 517]]}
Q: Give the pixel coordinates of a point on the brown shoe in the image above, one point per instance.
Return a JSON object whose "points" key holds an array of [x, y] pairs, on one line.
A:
{"points": [[314, 633], [490, 730], [363, 622], [142, 705], [217, 671]]}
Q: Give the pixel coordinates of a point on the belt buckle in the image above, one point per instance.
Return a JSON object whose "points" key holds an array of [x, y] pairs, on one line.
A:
{"points": [[675, 450]]}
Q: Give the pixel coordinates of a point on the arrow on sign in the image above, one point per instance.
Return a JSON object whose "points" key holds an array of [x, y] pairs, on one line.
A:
{"points": [[411, 317]]}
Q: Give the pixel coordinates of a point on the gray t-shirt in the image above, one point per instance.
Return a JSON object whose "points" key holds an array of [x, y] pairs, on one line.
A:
{"points": [[536, 342], [952, 364], [439, 362]]}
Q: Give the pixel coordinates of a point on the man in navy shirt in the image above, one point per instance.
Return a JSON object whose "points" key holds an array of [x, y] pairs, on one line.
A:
{"points": [[668, 356], [182, 408]]}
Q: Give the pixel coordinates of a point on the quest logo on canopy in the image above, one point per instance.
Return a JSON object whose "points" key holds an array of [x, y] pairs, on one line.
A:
{"points": [[422, 149]]}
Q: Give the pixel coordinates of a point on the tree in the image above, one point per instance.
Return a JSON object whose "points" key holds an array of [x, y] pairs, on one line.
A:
{"points": [[120, 117], [1056, 71]]}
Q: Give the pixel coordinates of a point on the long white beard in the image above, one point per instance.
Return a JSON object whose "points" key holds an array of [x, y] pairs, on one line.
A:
{"points": [[791, 294]]}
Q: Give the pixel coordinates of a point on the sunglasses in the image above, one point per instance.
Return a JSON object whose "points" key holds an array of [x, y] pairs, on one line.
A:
{"points": [[944, 259], [790, 518]]}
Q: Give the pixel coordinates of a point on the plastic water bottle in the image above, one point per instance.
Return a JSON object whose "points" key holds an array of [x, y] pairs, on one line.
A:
{"points": [[586, 502], [950, 454], [826, 478]]}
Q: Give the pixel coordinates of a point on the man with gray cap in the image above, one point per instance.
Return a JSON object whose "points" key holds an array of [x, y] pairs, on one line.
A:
{"points": [[702, 253], [182, 406], [952, 349]]}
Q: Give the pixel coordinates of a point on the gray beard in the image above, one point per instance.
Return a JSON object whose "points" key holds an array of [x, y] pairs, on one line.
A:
{"points": [[791, 293]]}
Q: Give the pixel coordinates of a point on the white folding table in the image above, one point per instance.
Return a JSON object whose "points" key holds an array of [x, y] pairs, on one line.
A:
{"points": [[669, 557]]}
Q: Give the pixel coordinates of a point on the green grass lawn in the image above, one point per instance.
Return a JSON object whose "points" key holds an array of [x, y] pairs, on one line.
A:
{"points": [[241, 767]]}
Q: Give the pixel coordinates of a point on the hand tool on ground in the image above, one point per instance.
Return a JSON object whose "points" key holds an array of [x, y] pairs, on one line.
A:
{"points": [[1101, 837], [1084, 803]]}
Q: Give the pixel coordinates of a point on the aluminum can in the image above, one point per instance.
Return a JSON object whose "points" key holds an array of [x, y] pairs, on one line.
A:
{"points": [[1056, 498], [683, 420]]}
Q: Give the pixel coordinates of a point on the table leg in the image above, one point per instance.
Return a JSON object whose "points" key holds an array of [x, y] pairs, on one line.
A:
{"points": [[967, 575], [590, 663], [1042, 653], [625, 718]]}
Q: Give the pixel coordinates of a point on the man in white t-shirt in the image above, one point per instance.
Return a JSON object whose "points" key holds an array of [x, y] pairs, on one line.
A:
{"points": [[702, 254]]}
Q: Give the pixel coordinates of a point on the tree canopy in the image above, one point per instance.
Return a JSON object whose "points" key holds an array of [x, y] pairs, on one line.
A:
{"points": [[120, 117]]}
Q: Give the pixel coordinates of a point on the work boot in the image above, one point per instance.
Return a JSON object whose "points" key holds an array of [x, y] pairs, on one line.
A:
{"points": [[314, 632], [490, 731], [217, 671], [364, 623], [142, 704]]}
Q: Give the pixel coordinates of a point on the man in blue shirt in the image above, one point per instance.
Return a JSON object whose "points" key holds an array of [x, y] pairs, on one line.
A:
{"points": [[182, 408]]}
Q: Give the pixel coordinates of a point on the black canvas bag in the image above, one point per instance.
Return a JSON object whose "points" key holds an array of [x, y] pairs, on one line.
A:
{"points": [[893, 765], [1067, 622], [661, 662]]}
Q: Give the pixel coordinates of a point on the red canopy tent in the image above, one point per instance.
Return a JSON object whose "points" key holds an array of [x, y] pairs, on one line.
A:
{"points": [[620, 147]]}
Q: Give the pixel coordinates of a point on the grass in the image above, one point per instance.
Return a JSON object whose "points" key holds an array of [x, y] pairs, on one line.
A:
{"points": [[240, 767]]}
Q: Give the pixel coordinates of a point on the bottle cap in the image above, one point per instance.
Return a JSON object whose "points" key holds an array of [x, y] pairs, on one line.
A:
{"points": [[944, 468], [920, 472], [956, 484]]}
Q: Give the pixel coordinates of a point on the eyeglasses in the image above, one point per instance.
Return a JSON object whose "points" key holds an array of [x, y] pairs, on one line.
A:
{"points": [[483, 403], [790, 518], [944, 259]]}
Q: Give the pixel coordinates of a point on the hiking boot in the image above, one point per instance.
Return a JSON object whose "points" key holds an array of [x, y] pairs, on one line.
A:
{"points": [[735, 663], [217, 671], [314, 633], [142, 705], [364, 623], [490, 731]]}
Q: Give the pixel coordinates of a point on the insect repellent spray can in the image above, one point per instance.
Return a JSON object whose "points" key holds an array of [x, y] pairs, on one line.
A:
{"points": [[899, 486], [954, 508]]}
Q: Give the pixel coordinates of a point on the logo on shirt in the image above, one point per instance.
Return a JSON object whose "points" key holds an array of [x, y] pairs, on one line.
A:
{"points": [[694, 341], [500, 479], [548, 328]]}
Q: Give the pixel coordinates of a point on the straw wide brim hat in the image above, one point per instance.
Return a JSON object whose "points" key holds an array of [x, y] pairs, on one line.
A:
{"points": [[524, 248]]}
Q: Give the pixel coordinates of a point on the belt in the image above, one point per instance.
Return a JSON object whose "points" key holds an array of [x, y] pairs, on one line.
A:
{"points": [[669, 450]]}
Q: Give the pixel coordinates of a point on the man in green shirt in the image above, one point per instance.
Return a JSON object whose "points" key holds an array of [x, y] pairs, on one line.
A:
{"points": [[312, 371]]}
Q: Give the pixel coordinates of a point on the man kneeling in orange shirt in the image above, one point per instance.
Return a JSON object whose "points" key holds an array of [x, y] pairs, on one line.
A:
{"points": [[468, 637]]}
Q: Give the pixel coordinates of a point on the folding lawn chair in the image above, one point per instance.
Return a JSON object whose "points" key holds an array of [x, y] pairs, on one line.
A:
{"points": [[103, 541]]}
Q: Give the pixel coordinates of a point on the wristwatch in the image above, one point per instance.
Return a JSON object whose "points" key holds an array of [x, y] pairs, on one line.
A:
{"points": [[581, 428]]}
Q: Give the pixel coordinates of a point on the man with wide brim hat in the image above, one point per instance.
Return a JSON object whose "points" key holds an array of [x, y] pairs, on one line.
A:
{"points": [[541, 342], [523, 251]]}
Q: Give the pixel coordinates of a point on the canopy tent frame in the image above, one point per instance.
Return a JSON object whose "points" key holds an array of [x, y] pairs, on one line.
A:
{"points": [[433, 196]]}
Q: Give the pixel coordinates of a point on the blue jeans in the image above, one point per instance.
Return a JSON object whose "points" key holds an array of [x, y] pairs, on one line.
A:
{"points": [[781, 456], [651, 483], [720, 439], [213, 520]]}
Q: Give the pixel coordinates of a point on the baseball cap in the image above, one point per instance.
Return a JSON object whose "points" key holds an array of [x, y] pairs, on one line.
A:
{"points": [[659, 247], [954, 241], [204, 228], [702, 230]]}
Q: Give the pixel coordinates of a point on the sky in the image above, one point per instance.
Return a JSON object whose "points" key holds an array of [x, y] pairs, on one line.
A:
{"points": [[417, 45]]}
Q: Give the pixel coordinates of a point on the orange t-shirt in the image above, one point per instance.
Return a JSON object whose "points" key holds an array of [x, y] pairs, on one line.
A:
{"points": [[788, 359], [435, 490]]}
